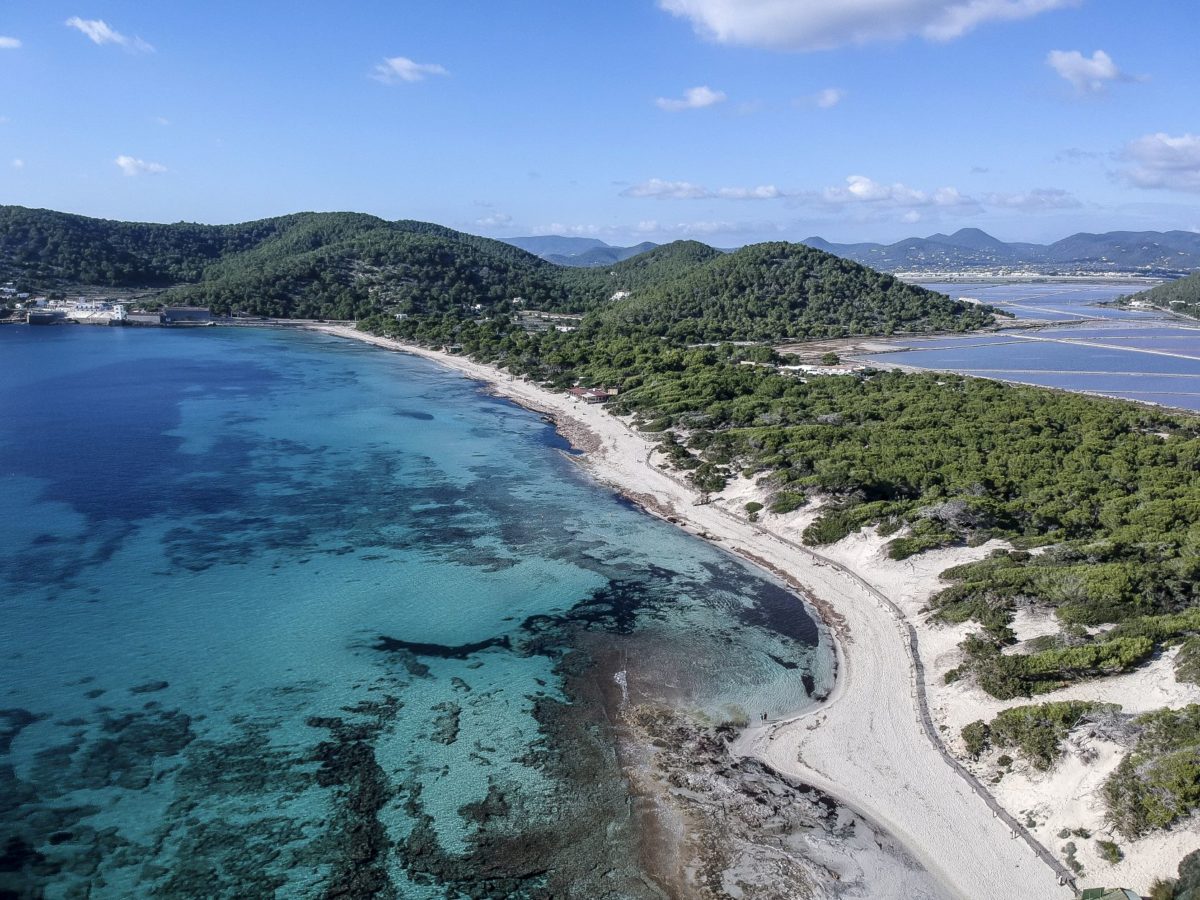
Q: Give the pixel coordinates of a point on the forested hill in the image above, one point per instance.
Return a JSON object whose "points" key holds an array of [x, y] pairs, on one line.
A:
{"points": [[779, 290], [350, 265], [307, 264], [1182, 296]]}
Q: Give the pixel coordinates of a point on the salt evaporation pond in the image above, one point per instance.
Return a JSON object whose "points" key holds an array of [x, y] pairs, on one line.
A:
{"points": [[1132, 354]]}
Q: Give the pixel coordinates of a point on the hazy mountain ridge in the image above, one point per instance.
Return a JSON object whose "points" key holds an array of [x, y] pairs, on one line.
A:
{"points": [[577, 251], [1145, 252]]}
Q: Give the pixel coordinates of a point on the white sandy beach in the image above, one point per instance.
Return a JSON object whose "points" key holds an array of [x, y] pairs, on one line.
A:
{"points": [[866, 746]]}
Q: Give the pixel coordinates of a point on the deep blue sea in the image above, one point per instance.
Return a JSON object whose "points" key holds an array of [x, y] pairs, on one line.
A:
{"points": [[286, 615]]}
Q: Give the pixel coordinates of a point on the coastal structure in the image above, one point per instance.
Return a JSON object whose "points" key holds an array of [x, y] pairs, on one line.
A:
{"points": [[593, 395], [96, 312], [45, 317], [187, 315]]}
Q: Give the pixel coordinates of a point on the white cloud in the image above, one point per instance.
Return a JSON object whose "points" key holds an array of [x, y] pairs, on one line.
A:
{"points": [[18, 163], [1034, 200], [568, 230], [100, 32], [9, 43], [690, 229], [761, 192], [656, 230], [686, 190], [132, 166], [495, 220], [666, 190], [824, 24], [693, 98], [1088, 75], [161, 120], [1163, 161], [861, 189], [401, 68], [829, 98]]}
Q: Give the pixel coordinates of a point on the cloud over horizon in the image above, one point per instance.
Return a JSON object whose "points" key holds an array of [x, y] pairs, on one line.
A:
{"points": [[693, 98], [826, 24], [9, 43], [1161, 161], [861, 189], [100, 32], [131, 166], [659, 189], [401, 68], [863, 192], [1034, 200]]}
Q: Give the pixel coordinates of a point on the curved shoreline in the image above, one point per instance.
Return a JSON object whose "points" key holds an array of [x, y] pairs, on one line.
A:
{"points": [[871, 745]]}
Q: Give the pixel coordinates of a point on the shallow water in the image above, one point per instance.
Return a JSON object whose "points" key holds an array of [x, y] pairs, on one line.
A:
{"points": [[287, 613]]}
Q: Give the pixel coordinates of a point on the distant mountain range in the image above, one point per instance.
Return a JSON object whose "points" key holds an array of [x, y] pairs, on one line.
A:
{"points": [[1146, 252], [967, 250], [577, 251]]}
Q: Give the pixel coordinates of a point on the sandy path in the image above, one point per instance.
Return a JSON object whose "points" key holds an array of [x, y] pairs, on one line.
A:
{"points": [[866, 746]]}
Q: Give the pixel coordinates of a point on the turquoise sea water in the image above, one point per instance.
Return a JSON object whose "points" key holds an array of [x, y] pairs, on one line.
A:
{"points": [[285, 615]]}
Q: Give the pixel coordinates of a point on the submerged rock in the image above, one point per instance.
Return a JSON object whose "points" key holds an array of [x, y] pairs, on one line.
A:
{"points": [[445, 726]]}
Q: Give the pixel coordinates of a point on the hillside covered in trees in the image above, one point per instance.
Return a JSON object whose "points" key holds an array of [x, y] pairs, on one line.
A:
{"points": [[348, 265], [778, 290], [1182, 296]]}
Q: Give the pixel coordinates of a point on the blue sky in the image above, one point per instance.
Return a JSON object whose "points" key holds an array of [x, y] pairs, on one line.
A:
{"points": [[729, 121]]}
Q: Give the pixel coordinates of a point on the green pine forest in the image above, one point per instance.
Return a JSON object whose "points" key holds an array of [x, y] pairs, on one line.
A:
{"points": [[1181, 297], [1098, 499]]}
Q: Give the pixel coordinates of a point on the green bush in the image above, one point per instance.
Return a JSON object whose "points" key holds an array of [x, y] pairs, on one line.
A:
{"points": [[1158, 783], [1109, 852], [656, 425], [1006, 676], [787, 501], [1037, 732], [1187, 663], [975, 736]]}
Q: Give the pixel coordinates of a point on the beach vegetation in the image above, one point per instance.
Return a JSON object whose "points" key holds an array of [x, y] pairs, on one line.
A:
{"points": [[1158, 782], [787, 501], [1109, 851], [975, 737], [1186, 886], [1036, 732], [1187, 662]]}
